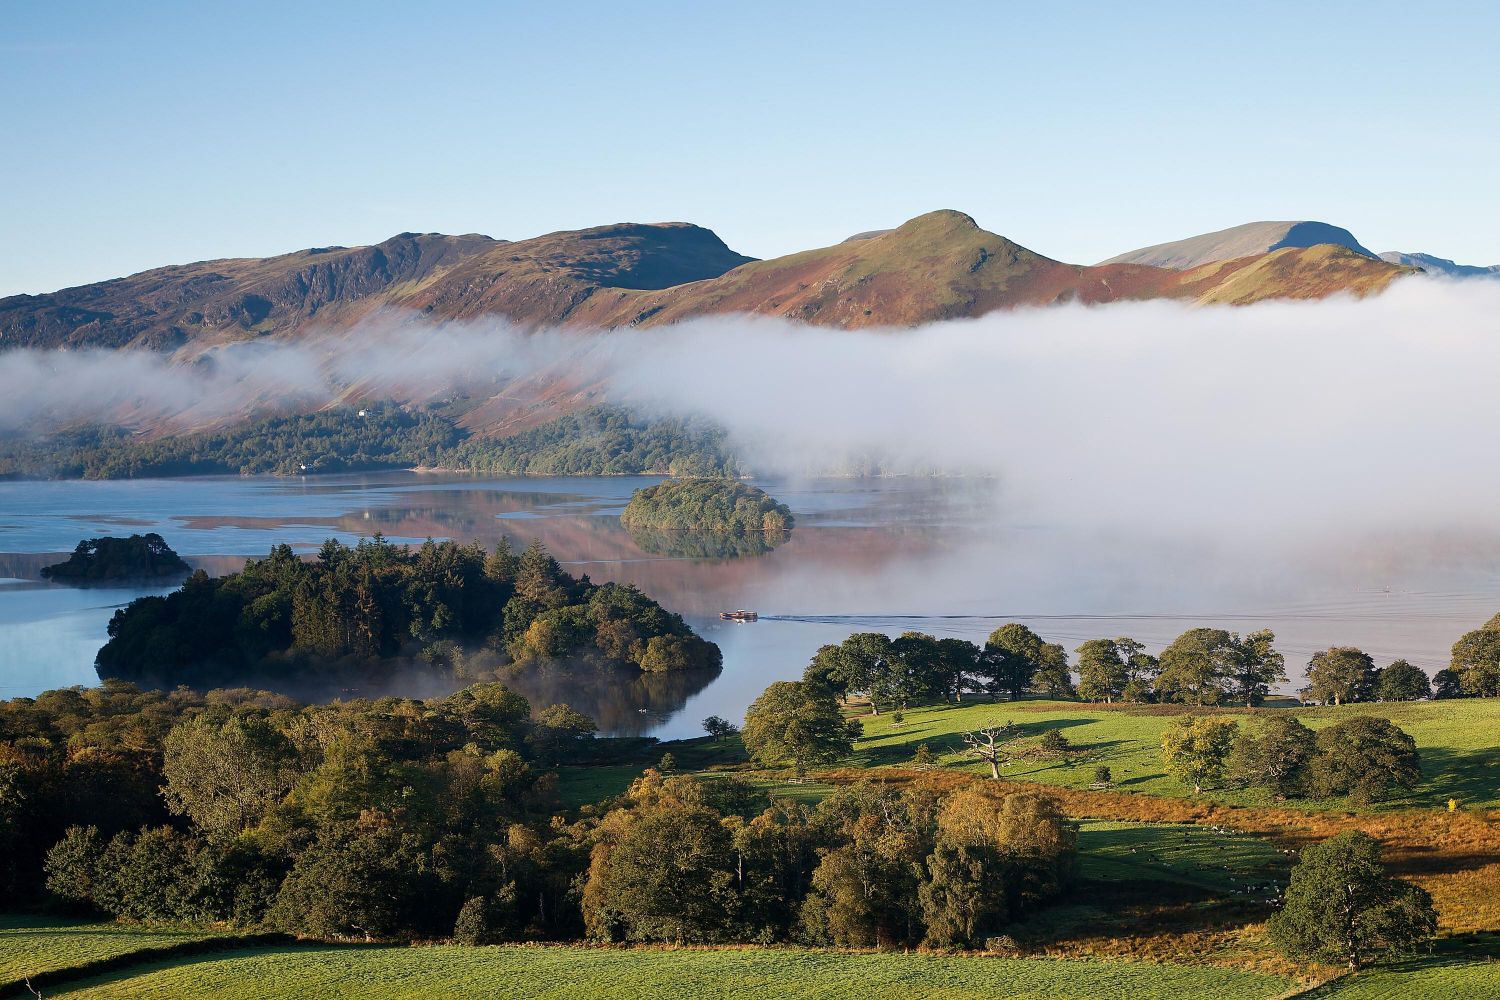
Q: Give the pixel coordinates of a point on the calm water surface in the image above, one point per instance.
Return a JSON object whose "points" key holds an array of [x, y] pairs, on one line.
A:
{"points": [[940, 556]]}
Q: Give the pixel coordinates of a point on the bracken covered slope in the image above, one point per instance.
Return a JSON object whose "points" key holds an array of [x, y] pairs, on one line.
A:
{"points": [[231, 299], [942, 266], [547, 279], [535, 282], [1294, 273], [937, 266]]}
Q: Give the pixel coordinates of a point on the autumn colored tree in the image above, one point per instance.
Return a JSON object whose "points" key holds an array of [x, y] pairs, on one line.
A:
{"points": [[1196, 749]]}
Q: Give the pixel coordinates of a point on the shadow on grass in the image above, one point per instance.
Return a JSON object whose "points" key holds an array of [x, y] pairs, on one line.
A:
{"points": [[1125, 908], [905, 731], [115, 968], [1456, 952], [1183, 852], [1468, 776], [1142, 779], [873, 750]]}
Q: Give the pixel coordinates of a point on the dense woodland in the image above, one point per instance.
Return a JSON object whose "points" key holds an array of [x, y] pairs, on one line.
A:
{"points": [[352, 818], [599, 441], [139, 557], [335, 440], [602, 441], [355, 612], [423, 819], [701, 504]]}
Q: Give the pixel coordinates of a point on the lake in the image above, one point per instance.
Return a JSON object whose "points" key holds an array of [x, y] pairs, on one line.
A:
{"points": [[950, 557]]}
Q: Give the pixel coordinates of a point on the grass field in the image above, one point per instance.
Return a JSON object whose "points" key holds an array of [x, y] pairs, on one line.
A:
{"points": [[1456, 739], [1178, 852], [32, 945], [579, 786], [1456, 857], [591, 782], [1460, 755], [559, 973], [1465, 968]]}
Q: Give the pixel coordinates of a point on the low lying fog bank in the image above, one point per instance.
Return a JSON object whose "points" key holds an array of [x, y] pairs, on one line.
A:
{"points": [[1366, 412], [1280, 411]]}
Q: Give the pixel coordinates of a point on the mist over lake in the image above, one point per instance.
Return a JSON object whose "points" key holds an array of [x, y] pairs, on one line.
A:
{"points": [[948, 557]]}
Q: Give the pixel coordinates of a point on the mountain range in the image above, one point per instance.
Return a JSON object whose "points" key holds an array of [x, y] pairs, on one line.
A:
{"points": [[937, 266]]}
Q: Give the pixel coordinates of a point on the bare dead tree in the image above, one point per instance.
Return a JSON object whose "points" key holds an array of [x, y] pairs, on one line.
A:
{"points": [[32, 989], [990, 745]]}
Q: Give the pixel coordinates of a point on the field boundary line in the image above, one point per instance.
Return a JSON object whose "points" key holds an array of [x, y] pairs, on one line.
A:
{"points": [[142, 956]]}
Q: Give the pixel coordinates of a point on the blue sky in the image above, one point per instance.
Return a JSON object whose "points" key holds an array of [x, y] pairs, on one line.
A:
{"points": [[143, 134]]}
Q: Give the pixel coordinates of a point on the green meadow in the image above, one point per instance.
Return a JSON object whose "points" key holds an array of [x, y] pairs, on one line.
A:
{"points": [[1457, 741], [572, 973], [1178, 852], [1460, 751], [32, 945], [1465, 969]]}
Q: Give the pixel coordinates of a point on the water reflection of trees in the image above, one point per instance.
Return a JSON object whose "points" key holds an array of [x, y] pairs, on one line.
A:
{"points": [[686, 544], [623, 702], [468, 515]]}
